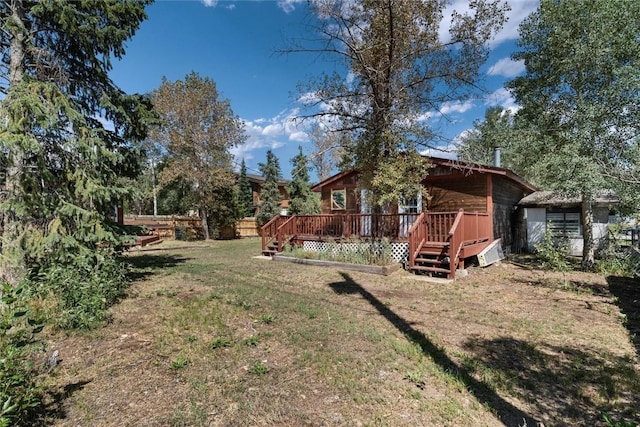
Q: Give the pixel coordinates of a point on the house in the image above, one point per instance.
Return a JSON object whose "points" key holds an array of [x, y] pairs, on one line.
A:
{"points": [[561, 215], [468, 209], [257, 181]]}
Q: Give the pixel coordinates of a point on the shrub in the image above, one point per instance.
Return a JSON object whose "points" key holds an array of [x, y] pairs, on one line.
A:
{"points": [[20, 394], [552, 252], [84, 288]]}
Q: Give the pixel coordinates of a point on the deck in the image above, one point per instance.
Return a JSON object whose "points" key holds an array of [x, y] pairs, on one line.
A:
{"points": [[439, 242]]}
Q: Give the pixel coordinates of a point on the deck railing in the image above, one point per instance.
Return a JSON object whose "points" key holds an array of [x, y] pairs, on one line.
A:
{"points": [[269, 231], [391, 226]]}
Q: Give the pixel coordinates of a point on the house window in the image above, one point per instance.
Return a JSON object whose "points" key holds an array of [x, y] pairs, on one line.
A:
{"points": [[564, 224], [338, 200], [410, 205]]}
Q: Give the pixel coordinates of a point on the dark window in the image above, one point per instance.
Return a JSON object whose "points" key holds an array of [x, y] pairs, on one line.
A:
{"points": [[564, 223]]}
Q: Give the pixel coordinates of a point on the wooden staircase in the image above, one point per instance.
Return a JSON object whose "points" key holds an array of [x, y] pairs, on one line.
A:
{"points": [[439, 242], [433, 258]]}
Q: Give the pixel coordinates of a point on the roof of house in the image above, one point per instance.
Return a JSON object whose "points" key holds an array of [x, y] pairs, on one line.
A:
{"points": [[543, 199], [259, 179], [454, 164]]}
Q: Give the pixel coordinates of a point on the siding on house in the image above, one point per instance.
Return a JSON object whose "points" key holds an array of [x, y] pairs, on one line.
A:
{"points": [[506, 195], [349, 183], [449, 193]]}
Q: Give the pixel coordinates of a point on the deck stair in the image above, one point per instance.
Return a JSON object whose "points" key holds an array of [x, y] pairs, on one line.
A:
{"points": [[433, 259]]}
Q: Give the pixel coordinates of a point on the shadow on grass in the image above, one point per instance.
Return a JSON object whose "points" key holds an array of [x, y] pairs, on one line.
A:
{"points": [[627, 293], [146, 265], [568, 386], [54, 409], [558, 282], [505, 411]]}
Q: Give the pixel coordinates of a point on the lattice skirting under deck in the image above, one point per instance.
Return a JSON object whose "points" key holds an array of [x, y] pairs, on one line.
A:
{"points": [[399, 250]]}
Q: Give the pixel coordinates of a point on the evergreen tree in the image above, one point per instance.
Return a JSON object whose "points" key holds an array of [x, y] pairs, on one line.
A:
{"points": [[245, 195], [270, 196], [302, 200], [62, 166]]}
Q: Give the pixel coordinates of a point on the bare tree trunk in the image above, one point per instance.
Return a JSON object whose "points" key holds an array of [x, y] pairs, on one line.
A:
{"points": [[205, 223], [588, 249], [12, 260]]}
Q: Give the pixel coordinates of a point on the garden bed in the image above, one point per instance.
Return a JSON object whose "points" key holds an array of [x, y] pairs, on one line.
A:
{"points": [[383, 270]]}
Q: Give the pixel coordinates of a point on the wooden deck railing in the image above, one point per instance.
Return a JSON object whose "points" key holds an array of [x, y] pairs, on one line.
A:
{"points": [[458, 229], [417, 236], [269, 231]]}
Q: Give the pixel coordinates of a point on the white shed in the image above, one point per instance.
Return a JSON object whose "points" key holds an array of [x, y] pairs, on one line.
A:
{"points": [[544, 209]]}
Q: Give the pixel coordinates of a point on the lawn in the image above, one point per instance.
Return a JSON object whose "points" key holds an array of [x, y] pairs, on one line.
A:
{"points": [[208, 335]]}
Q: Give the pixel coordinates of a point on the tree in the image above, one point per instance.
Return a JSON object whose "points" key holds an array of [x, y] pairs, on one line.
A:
{"points": [[245, 192], [198, 129], [302, 200], [399, 69], [495, 131], [270, 196], [579, 96], [62, 166], [327, 154]]}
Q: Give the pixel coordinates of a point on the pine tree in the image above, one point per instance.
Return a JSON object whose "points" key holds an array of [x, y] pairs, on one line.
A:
{"points": [[63, 167], [302, 200], [270, 196], [245, 193]]}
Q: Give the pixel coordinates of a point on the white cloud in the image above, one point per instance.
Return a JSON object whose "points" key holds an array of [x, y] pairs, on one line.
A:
{"points": [[504, 99], [520, 9], [289, 6], [272, 130], [299, 136], [455, 107], [210, 3], [506, 68]]}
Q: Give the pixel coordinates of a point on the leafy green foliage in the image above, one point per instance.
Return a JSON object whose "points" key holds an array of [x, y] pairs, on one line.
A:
{"points": [[496, 130], [85, 288], [302, 200], [552, 252], [20, 394], [579, 98], [270, 196], [197, 130]]}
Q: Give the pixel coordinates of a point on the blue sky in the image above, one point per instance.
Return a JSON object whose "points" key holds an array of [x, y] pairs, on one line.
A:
{"points": [[236, 44]]}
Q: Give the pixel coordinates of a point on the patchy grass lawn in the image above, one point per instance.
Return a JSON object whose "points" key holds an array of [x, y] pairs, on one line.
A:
{"points": [[210, 336]]}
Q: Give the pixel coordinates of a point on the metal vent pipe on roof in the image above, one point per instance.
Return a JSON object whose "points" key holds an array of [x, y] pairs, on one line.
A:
{"points": [[496, 157]]}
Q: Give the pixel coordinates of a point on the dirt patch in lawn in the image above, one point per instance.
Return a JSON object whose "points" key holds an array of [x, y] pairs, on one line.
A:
{"points": [[210, 336]]}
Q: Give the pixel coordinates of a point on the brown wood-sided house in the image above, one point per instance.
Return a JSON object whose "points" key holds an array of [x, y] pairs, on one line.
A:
{"points": [[257, 181], [468, 207]]}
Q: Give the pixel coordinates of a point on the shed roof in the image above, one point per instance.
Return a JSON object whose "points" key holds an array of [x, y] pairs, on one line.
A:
{"points": [[544, 199]]}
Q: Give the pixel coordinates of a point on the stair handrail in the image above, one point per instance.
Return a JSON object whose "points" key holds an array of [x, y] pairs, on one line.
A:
{"points": [[269, 231], [287, 228], [456, 237], [417, 235]]}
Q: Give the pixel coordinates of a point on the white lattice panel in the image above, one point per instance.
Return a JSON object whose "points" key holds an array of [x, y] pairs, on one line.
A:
{"points": [[399, 251]]}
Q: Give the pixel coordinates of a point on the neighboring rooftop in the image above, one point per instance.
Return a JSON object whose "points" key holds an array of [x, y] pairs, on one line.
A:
{"points": [[605, 198]]}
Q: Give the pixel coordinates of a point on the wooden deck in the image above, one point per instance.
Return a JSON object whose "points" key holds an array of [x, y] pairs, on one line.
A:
{"points": [[439, 242]]}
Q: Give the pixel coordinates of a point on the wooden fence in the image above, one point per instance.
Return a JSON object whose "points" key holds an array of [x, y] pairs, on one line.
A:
{"points": [[168, 226], [247, 227]]}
